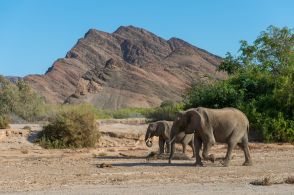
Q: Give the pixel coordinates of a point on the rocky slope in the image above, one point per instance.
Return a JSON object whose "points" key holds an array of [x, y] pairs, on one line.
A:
{"points": [[130, 67]]}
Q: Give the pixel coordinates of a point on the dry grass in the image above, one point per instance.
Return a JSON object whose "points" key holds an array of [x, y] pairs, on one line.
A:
{"points": [[289, 180], [24, 151], [267, 181], [27, 128], [111, 150], [264, 182], [101, 154], [4, 121]]}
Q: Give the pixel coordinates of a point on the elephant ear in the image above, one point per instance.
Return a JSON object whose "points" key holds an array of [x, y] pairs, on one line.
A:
{"points": [[160, 129], [193, 121]]}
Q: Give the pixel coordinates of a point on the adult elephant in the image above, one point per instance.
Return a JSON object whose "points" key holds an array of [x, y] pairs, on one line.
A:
{"points": [[227, 125], [162, 129]]}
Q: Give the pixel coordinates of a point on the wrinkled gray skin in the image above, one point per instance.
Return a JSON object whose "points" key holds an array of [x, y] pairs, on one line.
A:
{"points": [[227, 125], [162, 129]]}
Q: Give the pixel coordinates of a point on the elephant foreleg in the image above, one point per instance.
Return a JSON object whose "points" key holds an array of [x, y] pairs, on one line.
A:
{"points": [[161, 145], [171, 155], [205, 153], [198, 145], [167, 147], [192, 144]]}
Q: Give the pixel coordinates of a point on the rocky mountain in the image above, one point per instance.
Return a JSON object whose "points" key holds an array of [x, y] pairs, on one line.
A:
{"points": [[130, 67]]}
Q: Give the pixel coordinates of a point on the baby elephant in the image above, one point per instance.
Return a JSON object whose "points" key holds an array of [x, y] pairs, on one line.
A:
{"points": [[162, 129]]}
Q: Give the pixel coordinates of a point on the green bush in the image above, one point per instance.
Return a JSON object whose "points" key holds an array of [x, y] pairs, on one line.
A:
{"points": [[166, 111], [19, 99], [102, 114], [130, 113], [277, 129], [216, 95], [74, 127], [167, 103], [30, 106], [53, 109], [4, 121], [260, 83]]}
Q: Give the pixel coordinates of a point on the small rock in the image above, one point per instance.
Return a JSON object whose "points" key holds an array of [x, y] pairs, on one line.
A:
{"points": [[104, 165]]}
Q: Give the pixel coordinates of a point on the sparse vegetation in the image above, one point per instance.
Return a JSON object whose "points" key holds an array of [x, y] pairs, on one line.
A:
{"points": [[21, 100], [260, 83], [264, 182], [52, 110], [24, 151], [4, 121], [74, 127], [268, 181], [289, 180], [27, 128], [130, 112], [166, 111], [101, 154]]}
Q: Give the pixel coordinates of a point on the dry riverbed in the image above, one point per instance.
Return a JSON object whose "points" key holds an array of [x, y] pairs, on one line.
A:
{"points": [[27, 168]]}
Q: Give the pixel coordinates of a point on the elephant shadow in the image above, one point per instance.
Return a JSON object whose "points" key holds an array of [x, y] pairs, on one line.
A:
{"points": [[119, 157], [150, 164]]}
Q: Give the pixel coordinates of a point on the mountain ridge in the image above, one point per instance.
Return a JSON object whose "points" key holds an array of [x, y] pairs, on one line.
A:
{"points": [[130, 67]]}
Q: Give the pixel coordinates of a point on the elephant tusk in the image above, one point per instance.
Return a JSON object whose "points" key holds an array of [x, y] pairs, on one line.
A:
{"points": [[171, 141]]}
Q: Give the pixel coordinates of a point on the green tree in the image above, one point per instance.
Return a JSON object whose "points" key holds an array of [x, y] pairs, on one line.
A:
{"points": [[8, 96], [260, 83], [20, 99], [30, 105], [229, 64], [272, 51]]}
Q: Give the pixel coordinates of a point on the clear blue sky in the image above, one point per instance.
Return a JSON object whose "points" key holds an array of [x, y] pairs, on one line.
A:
{"points": [[34, 33]]}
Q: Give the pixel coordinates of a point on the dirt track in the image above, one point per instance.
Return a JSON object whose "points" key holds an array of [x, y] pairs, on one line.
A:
{"points": [[25, 167]]}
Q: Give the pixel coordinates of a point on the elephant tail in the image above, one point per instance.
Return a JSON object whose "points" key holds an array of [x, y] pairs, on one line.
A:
{"points": [[248, 128]]}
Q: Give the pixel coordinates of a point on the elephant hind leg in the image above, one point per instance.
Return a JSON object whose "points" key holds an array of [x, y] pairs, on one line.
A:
{"points": [[161, 145], [193, 147], [244, 146], [198, 145], [234, 139], [231, 146], [167, 147], [184, 148]]}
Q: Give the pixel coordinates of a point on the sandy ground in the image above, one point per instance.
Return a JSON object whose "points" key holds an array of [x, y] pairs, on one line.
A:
{"points": [[28, 169]]}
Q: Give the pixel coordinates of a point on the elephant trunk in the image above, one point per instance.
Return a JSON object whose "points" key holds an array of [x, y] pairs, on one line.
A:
{"points": [[148, 140]]}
